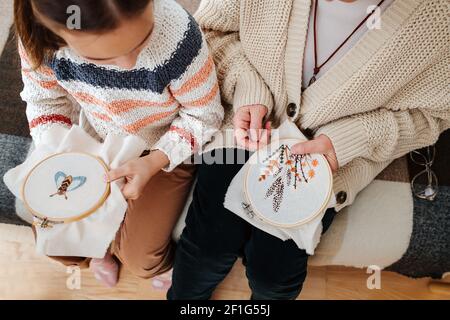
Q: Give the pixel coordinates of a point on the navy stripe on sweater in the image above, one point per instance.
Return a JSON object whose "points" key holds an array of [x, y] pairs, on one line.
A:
{"points": [[141, 79]]}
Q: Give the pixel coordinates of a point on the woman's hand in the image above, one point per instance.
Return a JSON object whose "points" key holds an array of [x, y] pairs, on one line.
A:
{"points": [[322, 145], [138, 172], [248, 127]]}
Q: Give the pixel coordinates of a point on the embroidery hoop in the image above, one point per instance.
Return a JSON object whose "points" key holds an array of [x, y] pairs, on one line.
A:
{"points": [[247, 193], [46, 221]]}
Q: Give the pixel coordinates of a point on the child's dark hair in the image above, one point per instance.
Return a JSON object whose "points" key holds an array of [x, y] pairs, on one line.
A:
{"points": [[99, 16]]}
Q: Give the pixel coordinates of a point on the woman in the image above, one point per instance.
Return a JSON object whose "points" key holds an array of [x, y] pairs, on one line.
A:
{"points": [[379, 95], [133, 71]]}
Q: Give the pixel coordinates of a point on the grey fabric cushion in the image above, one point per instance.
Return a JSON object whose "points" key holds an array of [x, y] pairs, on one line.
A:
{"points": [[14, 134]]}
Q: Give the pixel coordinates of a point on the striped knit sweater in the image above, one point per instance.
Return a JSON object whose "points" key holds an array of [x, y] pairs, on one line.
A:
{"points": [[170, 98]]}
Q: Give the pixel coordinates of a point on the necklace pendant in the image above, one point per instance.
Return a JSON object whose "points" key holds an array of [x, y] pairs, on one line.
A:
{"points": [[313, 79]]}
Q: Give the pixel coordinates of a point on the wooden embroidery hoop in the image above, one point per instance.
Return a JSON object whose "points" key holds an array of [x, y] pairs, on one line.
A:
{"points": [[48, 222], [301, 222]]}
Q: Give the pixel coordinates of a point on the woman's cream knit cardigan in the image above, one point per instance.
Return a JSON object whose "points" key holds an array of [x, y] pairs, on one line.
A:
{"points": [[388, 95]]}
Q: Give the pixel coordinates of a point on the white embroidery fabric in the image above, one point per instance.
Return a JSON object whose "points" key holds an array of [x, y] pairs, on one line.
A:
{"points": [[306, 236], [91, 236]]}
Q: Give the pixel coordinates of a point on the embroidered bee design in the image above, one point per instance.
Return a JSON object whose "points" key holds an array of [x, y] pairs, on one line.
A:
{"points": [[66, 183]]}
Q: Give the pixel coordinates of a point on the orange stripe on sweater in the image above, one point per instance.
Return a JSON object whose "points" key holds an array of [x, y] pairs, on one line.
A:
{"points": [[87, 98], [198, 79], [42, 69], [135, 127], [100, 116], [205, 100], [120, 106], [43, 84]]}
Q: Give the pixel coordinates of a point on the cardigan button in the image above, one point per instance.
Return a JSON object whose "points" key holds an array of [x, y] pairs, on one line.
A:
{"points": [[308, 133], [291, 110], [341, 197]]}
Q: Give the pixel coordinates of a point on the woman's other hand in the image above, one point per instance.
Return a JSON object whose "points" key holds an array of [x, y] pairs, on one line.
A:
{"points": [[322, 145], [249, 129]]}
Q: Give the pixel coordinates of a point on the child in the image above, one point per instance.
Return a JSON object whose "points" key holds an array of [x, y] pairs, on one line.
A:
{"points": [[137, 67]]}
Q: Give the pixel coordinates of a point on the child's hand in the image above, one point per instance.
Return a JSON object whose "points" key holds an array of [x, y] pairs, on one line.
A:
{"points": [[138, 172], [248, 127], [320, 145]]}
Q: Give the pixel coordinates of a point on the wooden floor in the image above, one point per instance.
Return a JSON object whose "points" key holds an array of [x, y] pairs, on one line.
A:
{"points": [[24, 275]]}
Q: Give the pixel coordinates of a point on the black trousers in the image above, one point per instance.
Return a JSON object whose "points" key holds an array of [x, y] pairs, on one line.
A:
{"points": [[214, 238]]}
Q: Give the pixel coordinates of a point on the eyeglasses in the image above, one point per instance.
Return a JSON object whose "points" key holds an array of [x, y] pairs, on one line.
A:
{"points": [[425, 184]]}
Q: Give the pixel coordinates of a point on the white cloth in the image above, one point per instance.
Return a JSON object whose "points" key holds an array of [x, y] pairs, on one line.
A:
{"points": [[335, 21], [89, 237], [307, 236]]}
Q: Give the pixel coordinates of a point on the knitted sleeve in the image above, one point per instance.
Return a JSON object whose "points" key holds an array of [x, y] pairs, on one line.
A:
{"points": [[239, 81], [201, 112], [47, 102], [384, 134], [411, 120]]}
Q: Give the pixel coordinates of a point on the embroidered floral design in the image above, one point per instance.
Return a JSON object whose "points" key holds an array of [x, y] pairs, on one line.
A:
{"points": [[277, 191], [288, 170]]}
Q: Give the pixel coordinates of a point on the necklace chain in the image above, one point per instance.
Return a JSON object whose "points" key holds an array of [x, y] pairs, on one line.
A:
{"points": [[317, 67]]}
